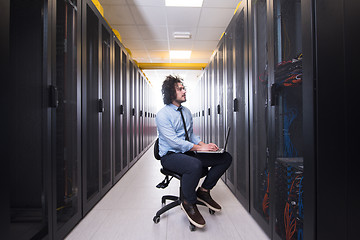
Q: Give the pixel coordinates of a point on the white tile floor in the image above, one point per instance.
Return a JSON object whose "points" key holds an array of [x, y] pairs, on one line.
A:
{"points": [[127, 210]]}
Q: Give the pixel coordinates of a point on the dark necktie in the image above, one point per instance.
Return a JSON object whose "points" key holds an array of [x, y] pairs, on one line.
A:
{"points": [[182, 117]]}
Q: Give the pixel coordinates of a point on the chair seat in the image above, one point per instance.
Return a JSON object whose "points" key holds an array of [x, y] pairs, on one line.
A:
{"points": [[170, 173]]}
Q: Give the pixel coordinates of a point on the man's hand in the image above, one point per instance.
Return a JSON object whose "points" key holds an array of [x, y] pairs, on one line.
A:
{"points": [[205, 147]]}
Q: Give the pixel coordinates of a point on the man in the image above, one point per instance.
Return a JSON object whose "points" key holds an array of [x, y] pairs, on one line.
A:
{"points": [[177, 146]]}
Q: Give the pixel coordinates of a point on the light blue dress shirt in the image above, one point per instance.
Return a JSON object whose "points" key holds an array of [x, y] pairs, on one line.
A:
{"points": [[171, 130]]}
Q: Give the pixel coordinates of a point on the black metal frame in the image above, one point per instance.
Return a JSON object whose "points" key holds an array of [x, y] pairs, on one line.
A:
{"points": [[60, 232], [4, 68], [102, 26]]}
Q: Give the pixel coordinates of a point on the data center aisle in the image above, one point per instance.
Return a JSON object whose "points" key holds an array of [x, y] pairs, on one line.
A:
{"points": [[127, 210]]}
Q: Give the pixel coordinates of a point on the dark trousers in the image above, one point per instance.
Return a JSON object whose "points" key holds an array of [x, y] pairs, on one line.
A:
{"points": [[191, 169]]}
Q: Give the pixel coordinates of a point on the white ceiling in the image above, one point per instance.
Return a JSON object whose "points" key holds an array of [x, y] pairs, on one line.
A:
{"points": [[147, 26]]}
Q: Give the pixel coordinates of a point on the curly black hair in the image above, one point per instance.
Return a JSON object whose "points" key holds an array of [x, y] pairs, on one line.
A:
{"points": [[168, 88]]}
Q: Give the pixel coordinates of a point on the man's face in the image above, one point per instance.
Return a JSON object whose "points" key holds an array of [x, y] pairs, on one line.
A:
{"points": [[180, 94]]}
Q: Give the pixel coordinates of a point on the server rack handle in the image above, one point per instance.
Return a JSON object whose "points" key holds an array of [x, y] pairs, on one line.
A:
{"points": [[274, 94], [236, 105], [121, 109], [218, 109], [101, 105], [53, 96]]}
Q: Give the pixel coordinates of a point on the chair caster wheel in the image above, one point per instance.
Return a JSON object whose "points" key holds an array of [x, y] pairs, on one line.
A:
{"points": [[156, 219], [212, 212], [192, 227]]}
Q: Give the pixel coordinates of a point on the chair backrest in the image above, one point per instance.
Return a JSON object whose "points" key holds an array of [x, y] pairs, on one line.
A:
{"points": [[156, 149]]}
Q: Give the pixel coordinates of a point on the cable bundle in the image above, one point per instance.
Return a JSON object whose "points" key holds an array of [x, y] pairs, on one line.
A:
{"points": [[291, 211], [289, 198], [289, 73]]}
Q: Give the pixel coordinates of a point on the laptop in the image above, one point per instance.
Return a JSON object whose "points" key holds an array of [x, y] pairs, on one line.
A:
{"points": [[220, 150]]}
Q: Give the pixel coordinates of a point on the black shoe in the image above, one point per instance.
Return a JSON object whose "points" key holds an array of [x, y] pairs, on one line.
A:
{"points": [[205, 198], [193, 214]]}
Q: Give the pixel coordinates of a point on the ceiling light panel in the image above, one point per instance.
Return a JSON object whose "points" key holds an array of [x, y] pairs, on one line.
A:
{"points": [[182, 35], [183, 3], [177, 54]]}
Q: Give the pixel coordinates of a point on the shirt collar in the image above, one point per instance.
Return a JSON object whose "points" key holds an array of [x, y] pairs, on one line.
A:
{"points": [[174, 107]]}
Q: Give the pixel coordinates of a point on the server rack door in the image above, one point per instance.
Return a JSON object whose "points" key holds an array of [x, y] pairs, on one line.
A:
{"points": [[91, 108], [5, 66], [137, 112], [145, 113], [258, 119], [241, 105], [212, 99], [67, 123], [146, 102], [221, 104], [133, 111], [202, 109], [148, 119], [118, 113], [215, 96], [142, 84], [222, 100], [130, 130], [209, 103], [106, 122], [140, 112], [205, 107], [197, 98], [126, 107], [29, 164], [229, 63], [286, 99]]}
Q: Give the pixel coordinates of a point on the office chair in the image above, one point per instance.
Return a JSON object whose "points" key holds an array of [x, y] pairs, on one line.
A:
{"points": [[176, 200]]}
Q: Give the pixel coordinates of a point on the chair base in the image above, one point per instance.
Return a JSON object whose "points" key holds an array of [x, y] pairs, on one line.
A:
{"points": [[176, 202]]}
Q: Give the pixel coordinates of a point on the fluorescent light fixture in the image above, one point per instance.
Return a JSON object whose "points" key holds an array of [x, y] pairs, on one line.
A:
{"points": [[182, 35], [183, 3], [177, 54]]}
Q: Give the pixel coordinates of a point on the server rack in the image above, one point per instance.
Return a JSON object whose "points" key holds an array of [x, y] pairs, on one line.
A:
{"points": [[215, 100], [66, 116], [229, 76], [69, 118], [121, 120], [202, 109], [126, 108], [137, 112], [240, 123], [259, 114], [146, 115], [130, 110], [31, 123], [96, 107], [222, 94], [107, 98], [141, 114], [133, 112], [281, 85], [5, 69], [118, 113]]}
